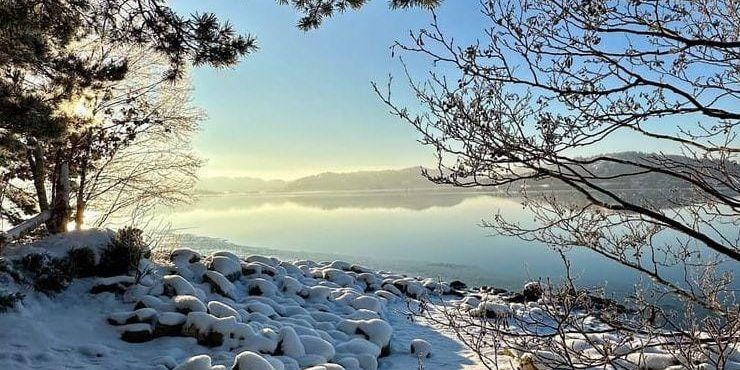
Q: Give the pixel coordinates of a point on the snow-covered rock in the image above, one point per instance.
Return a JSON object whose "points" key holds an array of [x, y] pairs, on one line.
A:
{"points": [[177, 285], [184, 256], [228, 266], [220, 284], [251, 361], [421, 348], [137, 333], [221, 310], [188, 303], [200, 362]]}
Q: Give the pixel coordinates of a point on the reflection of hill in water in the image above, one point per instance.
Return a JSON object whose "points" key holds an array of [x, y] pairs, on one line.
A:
{"points": [[330, 201], [415, 200]]}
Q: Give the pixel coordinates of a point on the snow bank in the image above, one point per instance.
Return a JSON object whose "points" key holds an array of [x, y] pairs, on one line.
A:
{"points": [[221, 311]]}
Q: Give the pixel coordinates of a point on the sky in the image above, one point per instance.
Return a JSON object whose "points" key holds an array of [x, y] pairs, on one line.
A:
{"points": [[303, 103]]}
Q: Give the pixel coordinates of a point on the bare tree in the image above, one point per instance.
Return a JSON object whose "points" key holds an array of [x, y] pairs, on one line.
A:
{"points": [[531, 105], [137, 153]]}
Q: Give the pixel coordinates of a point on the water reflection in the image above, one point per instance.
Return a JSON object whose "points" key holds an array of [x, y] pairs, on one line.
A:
{"points": [[417, 201], [421, 233]]}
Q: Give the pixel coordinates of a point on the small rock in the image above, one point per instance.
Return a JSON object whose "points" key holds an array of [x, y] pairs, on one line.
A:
{"points": [[137, 333], [458, 285], [532, 291], [421, 348]]}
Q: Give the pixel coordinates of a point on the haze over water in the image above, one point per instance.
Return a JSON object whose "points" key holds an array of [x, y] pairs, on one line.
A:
{"points": [[431, 234]]}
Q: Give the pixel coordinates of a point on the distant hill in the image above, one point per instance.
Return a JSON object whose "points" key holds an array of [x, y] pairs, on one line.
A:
{"points": [[237, 185], [412, 179], [407, 178], [404, 179], [610, 171]]}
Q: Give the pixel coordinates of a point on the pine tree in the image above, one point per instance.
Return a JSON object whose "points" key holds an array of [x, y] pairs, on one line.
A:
{"points": [[42, 74]]}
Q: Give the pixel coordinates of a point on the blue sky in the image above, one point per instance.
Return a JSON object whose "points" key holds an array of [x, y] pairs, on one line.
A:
{"points": [[303, 103]]}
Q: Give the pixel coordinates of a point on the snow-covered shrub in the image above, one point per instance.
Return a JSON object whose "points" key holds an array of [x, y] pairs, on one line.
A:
{"points": [[122, 256], [8, 272], [82, 262], [49, 275], [9, 300]]}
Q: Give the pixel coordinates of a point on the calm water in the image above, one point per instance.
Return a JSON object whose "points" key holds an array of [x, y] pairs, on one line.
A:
{"points": [[425, 234]]}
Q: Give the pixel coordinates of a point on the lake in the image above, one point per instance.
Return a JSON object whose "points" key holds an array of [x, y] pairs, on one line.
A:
{"points": [[431, 234]]}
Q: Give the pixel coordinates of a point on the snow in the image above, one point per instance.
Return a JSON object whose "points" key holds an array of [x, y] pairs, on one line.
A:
{"points": [[220, 284], [201, 362], [289, 316], [251, 361], [138, 316], [290, 343], [368, 303], [421, 348], [182, 256], [198, 324], [229, 266], [219, 309], [188, 304], [59, 245], [317, 346], [171, 318], [177, 285]]}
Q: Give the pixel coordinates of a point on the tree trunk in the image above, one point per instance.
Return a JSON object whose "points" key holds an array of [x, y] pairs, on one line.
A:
{"points": [[60, 210], [24, 228], [80, 204], [37, 163]]}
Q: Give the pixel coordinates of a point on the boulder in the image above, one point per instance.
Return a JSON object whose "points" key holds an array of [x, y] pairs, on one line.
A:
{"points": [[115, 284], [532, 291], [458, 285], [137, 333], [421, 348], [169, 324]]}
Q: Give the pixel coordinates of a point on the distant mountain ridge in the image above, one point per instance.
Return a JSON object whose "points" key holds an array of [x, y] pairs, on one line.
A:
{"points": [[403, 179], [412, 179]]}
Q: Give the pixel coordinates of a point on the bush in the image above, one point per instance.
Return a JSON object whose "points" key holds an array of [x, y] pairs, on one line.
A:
{"points": [[6, 267], [49, 275], [123, 255], [8, 300], [82, 262]]}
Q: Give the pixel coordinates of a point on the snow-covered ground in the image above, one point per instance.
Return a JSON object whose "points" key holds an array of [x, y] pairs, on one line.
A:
{"points": [[294, 315], [70, 331], [222, 311]]}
